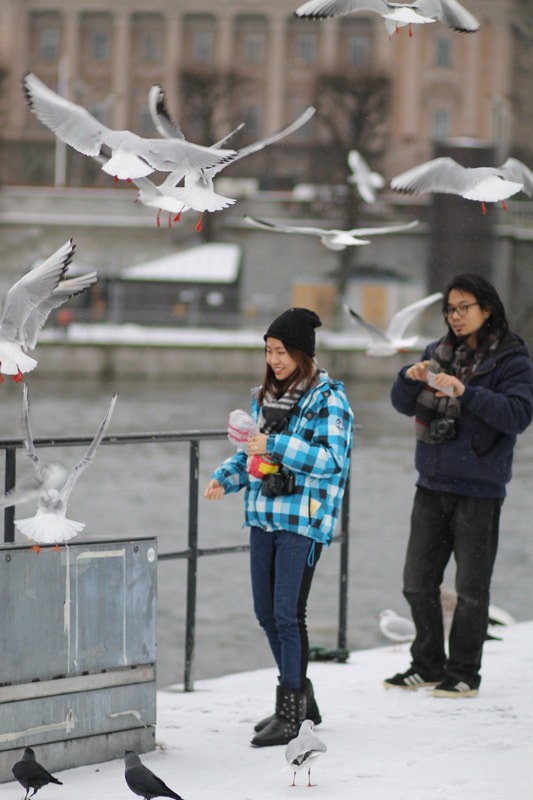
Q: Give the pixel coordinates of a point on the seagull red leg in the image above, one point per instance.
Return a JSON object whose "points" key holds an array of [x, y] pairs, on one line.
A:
{"points": [[18, 377], [199, 223], [483, 208]]}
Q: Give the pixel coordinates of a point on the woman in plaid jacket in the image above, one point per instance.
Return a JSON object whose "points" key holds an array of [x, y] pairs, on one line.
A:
{"points": [[292, 504]]}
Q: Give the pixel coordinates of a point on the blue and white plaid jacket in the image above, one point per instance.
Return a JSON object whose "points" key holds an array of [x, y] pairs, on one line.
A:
{"points": [[315, 447]]}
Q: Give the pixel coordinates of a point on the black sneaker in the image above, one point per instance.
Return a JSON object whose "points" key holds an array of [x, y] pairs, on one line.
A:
{"points": [[408, 680], [454, 688]]}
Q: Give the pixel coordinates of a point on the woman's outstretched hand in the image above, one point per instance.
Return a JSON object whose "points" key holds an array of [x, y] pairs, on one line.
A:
{"points": [[214, 490]]}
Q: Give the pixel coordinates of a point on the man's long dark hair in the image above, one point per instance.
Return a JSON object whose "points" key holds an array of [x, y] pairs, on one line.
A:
{"points": [[305, 371], [488, 299]]}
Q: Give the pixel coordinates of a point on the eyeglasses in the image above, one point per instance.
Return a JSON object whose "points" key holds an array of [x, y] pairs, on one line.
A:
{"points": [[461, 310]]}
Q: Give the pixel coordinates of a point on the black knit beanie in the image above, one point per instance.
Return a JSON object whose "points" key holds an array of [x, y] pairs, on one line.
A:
{"points": [[296, 328]]}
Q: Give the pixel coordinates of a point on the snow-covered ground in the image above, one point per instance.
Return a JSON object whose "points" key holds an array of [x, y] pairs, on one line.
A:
{"points": [[382, 744]]}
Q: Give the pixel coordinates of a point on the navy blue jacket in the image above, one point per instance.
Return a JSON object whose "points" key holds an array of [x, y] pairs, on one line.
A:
{"points": [[496, 406]]}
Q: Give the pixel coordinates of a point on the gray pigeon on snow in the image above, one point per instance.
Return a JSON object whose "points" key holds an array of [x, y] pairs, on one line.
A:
{"points": [[143, 781]]}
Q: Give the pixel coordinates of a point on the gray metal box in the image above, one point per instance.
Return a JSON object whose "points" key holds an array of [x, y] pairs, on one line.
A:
{"points": [[77, 651]]}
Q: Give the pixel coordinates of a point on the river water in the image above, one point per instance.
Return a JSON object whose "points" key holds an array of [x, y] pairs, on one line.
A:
{"points": [[138, 490]]}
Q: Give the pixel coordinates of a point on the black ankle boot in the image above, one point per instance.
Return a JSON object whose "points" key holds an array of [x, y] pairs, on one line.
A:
{"points": [[285, 724], [312, 712]]}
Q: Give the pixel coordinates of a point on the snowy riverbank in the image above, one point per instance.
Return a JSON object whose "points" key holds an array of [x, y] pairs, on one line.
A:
{"points": [[382, 745]]}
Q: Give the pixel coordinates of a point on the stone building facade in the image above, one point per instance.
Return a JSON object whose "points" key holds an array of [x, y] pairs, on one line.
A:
{"points": [[105, 54]]}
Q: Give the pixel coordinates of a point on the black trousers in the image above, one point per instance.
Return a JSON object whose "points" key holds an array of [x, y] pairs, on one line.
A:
{"points": [[443, 523]]}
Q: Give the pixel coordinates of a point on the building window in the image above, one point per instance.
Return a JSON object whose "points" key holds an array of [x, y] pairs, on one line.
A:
{"points": [[151, 46], [100, 44], [100, 110], [443, 51], [358, 50], [146, 125], [440, 124], [49, 44], [253, 48], [252, 121], [306, 47], [305, 131], [202, 46]]}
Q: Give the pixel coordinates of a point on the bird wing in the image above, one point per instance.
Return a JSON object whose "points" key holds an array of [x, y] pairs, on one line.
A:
{"points": [[382, 229], [452, 13], [254, 147], [515, 170], [402, 318], [89, 455], [164, 123], [31, 452], [75, 126], [63, 292], [438, 175], [374, 332], [273, 226], [337, 8], [32, 289], [71, 123]]}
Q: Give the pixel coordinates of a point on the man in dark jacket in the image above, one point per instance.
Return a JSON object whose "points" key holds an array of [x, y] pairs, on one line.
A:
{"points": [[471, 395]]}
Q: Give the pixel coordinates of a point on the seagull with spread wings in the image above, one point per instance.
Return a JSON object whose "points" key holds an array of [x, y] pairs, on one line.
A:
{"points": [[484, 184], [52, 486], [396, 15], [128, 155], [333, 238], [386, 343], [28, 304]]}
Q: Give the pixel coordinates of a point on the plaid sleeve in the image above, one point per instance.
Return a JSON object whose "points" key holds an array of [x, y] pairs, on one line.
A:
{"points": [[319, 445], [232, 473]]}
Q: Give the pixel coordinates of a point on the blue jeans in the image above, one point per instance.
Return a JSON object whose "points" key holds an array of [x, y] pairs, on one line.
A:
{"points": [[443, 523], [282, 565]]}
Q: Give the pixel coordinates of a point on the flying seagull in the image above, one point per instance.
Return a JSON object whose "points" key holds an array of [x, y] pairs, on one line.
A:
{"points": [[197, 191], [52, 486], [397, 629], [386, 343], [365, 180], [301, 750], [32, 775], [484, 184], [129, 155], [332, 238], [143, 781], [161, 196], [28, 304], [396, 15]]}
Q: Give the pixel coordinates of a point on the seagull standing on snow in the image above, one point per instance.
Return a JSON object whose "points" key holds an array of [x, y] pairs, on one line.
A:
{"points": [[303, 749], [365, 180], [129, 156], [386, 343], [32, 775], [198, 190], [484, 184], [27, 307], [332, 238], [52, 486], [397, 629], [396, 15], [143, 781]]}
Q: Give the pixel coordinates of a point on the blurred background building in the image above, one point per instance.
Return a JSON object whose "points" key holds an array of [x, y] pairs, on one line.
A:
{"points": [[397, 100]]}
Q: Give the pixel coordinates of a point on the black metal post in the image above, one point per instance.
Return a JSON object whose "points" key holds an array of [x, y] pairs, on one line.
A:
{"points": [[9, 483], [343, 568], [192, 565]]}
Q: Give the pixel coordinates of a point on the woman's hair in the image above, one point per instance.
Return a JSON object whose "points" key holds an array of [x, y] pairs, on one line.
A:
{"points": [[487, 297], [304, 373]]}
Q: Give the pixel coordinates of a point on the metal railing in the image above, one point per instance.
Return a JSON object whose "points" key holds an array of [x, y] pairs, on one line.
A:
{"points": [[193, 551]]}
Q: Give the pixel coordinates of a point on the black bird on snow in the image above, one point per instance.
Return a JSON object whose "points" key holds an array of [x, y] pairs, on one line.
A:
{"points": [[32, 775], [143, 781]]}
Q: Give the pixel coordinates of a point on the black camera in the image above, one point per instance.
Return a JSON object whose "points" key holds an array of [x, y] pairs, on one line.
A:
{"points": [[443, 429], [277, 484]]}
